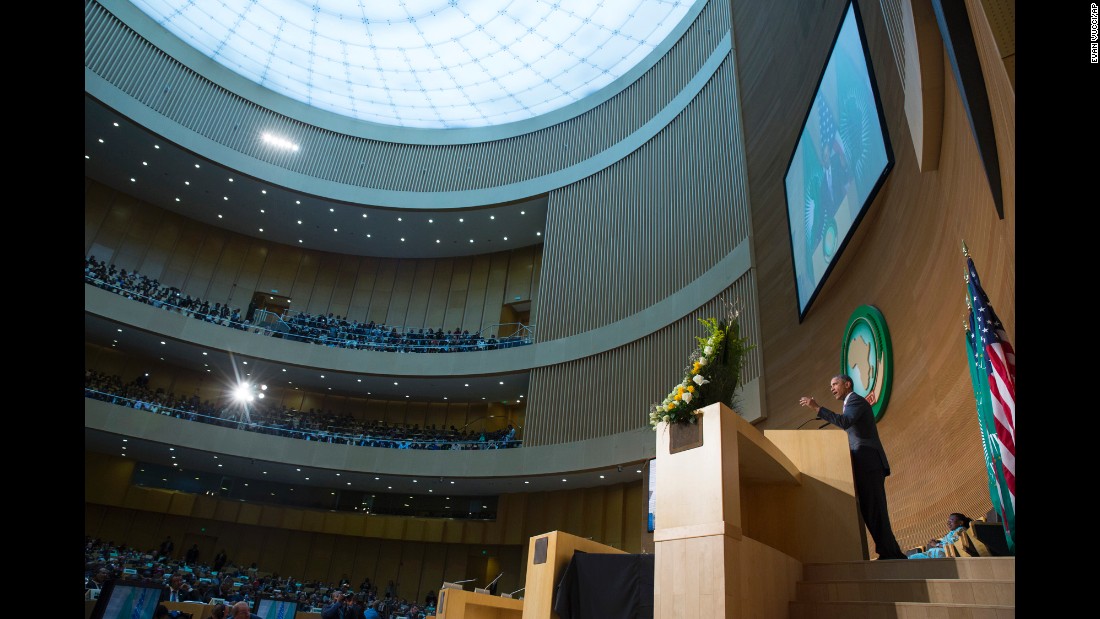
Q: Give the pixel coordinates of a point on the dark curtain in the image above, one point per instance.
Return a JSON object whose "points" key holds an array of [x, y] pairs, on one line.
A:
{"points": [[603, 586]]}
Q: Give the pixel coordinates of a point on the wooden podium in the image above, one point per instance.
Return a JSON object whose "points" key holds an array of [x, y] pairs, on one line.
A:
{"points": [[460, 604], [547, 556], [739, 510]]}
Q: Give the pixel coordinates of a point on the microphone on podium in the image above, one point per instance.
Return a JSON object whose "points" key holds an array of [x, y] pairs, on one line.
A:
{"points": [[806, 422], [509, 595], [488, 588], [456, 584]]}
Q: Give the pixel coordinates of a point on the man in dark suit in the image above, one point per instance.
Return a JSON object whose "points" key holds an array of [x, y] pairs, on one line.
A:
{"points": [[869, 465]]}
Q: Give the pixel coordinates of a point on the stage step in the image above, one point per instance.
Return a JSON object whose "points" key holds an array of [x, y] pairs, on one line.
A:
{"points": [[932, 590], [979, 568], [964, 588], [898, 610]]}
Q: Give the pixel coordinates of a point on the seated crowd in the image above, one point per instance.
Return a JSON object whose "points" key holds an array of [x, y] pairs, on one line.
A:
{"points": [[279, 420], [188, 580], [330, 330]]}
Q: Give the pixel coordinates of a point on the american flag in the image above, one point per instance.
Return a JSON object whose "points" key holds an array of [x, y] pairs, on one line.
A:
{"points": [[999, 363]]}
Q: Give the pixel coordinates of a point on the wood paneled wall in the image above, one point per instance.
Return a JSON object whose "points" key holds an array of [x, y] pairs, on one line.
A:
{"points": [[227, 267], [904, 258], [327, 545], [186, 382]]}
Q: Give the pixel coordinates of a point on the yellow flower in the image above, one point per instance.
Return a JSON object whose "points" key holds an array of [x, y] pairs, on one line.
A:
{"points": [[691, 389], [680, 395]]}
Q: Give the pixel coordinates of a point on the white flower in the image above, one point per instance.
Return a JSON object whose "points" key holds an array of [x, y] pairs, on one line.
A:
{"points": [[687, 396], [708, 350], [699, 380], [665, 419], [702, 361]]}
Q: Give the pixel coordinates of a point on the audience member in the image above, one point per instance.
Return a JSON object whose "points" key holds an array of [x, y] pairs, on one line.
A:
{"points": [[956, 523]]}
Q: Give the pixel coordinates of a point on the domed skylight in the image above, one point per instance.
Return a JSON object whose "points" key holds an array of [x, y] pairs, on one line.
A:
{"points": [[425, 63]]}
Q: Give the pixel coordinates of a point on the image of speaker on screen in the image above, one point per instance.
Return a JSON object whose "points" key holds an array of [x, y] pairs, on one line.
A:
{"points": [[841, 159]]}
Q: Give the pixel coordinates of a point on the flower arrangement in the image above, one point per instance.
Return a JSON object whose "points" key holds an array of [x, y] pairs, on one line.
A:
{"points": [[712, 374]]}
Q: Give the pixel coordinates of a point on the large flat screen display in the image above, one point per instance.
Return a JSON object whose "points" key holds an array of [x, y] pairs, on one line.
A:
{"points": [[127, 600], [270, 608], [841, 160]]}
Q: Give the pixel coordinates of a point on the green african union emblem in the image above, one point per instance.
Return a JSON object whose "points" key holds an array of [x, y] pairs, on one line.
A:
{"points": [[867, 356]]}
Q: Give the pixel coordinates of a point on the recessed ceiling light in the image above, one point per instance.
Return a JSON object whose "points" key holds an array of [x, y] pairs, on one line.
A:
{"points": [[177, 199], [505, 238], [133, 180], [299, 222], [398, 219], [299, 240], [368, 236], [196, 165], [563, 479], [144, 163], [219, 216], [502, 382], [364, 215], [188, 183], [402, 239], [335, 230], [538, 234], [471, 240], [601, 477], [437, 240], [459, 220], [332, 210], [262, 211], [430, 221], [492, 216], [526, 482], [261, 229]]}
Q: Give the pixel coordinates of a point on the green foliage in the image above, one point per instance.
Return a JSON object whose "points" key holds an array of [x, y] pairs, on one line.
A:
{"points": [[712, 374]]}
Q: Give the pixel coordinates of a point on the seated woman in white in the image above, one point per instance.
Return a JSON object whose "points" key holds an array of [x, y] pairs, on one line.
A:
{"points": [[955, 524]]}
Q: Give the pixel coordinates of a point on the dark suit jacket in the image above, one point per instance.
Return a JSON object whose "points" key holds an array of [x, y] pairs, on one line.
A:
{"points": [[858, 420]]}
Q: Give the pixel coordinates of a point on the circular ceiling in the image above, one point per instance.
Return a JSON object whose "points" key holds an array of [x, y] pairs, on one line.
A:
{"points": [[425, 63]]}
